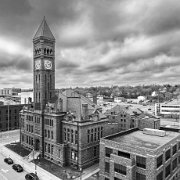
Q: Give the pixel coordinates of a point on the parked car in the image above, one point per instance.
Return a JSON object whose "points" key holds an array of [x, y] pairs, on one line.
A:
{"points": [[8, 160], [17, 167], [31, 176]]}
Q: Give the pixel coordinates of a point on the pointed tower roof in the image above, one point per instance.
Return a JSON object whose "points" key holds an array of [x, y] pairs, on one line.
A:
{"points": [[44, 31]]}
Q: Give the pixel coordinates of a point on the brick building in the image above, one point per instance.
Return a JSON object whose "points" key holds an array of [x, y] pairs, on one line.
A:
{"points": [[9, 114], [64, 127], [140, 155], [125, 117]]}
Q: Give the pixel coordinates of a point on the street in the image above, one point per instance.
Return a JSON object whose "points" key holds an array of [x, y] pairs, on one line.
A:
{"points": [[6, 171]]}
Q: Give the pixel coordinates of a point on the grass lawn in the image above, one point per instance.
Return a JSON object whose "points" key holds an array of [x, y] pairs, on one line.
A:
{"points": [[61, 172], [17, 148]]}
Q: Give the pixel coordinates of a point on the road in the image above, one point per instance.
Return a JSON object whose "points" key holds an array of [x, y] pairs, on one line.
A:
{"points": [[6, 171]]}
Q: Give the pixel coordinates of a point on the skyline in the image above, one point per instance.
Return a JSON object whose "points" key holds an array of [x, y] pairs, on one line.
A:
{"points": [[98, 43]]}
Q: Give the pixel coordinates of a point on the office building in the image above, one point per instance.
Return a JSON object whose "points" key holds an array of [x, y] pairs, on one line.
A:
{"points": [[150, 154]]}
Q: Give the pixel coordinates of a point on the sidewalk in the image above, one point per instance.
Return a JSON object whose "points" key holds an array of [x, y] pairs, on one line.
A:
{"points": [[43, 174], [89, 172], [29, 167]]}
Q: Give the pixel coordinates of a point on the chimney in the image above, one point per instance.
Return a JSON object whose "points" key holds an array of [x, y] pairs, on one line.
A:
{"points": [[95, 98], [85, 110]]}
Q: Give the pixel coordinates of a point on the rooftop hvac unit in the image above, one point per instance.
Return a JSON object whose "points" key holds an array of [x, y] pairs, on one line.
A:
{"points": [[154, 132]]}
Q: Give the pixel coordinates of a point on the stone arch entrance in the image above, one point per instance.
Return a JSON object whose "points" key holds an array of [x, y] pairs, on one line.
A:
{"points": [[37, 145]]}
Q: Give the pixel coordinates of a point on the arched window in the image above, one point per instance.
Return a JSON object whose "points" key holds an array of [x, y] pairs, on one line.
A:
{"points": [[39, 97], [36, 97], [44, 50], [50, 51], [47, 51]]}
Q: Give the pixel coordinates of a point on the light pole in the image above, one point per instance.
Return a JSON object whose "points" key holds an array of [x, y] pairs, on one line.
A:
{"points": [[34, 163]]}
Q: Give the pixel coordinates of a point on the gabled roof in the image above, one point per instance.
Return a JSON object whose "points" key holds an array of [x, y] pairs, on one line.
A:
{"points": [[44, 31]]}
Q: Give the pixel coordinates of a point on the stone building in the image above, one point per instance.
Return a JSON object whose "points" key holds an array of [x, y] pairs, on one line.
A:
{"points": [[140, 155], [64, 127], [126, 117]]}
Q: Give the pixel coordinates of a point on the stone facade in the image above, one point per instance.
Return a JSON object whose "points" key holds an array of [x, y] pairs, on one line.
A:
{"points": [[65, 128]]}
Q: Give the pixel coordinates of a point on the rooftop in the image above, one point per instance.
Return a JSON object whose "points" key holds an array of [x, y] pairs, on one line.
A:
{"points": [[44, 31], [136, 138]]}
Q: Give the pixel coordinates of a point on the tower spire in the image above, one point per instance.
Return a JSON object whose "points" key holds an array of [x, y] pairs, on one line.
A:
{"points": [[44, 31]]}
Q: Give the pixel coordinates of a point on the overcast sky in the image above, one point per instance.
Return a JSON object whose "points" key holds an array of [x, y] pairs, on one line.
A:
{"points": [[98, 42]]}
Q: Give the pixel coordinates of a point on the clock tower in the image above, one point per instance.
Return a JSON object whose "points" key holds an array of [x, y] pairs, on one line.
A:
{"points": [[43, 65]]}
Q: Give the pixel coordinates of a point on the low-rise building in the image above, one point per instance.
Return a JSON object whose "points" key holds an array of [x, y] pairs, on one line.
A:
{"points": [[170, 109], [126, 117], [9, 116], [140, 155], [9, 91]]}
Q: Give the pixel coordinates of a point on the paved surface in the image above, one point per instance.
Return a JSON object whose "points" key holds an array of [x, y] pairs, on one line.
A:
{"points": [[8, 174]]}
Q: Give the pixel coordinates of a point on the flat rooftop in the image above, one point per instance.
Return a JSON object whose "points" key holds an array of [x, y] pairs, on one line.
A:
{"points": [[138, 139]]}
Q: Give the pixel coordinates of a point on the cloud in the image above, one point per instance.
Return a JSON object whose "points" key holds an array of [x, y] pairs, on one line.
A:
{"points": [[97, 42]]}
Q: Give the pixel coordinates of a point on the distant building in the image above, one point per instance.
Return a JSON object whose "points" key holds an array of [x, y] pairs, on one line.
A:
{"points": [[148, 122], [26, 97], [140, 155], [125, 116], [171, 109], [10, 91], [9, 116]]}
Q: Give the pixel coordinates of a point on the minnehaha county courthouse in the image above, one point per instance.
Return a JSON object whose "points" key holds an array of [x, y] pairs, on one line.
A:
{"points": [[63, 127]]}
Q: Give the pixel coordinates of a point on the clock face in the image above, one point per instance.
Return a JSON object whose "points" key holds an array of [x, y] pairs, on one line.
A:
{"points": [[47, 64], [38, 64]]}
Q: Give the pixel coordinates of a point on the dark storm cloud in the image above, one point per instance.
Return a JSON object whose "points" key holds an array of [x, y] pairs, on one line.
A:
{"points": [[65, 64], [104, 41], [162, 18], [16, 62]]}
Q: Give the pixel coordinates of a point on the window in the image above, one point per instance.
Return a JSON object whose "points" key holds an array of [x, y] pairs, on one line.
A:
{"points": [[64, 134], [140, 176], [52, 135], [160, 176], [159, 161], [72, 136], [141, 162], [108, 152], [179, 145], [95, 151], [174, 149], [168, 170], [168, 154], [52, 147], [48, 134], [88, 136], [120, 169], [174, 164], [107, 167], [124, 154], [68, 135], [101, 132], [76, 137], [179, 159]]}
